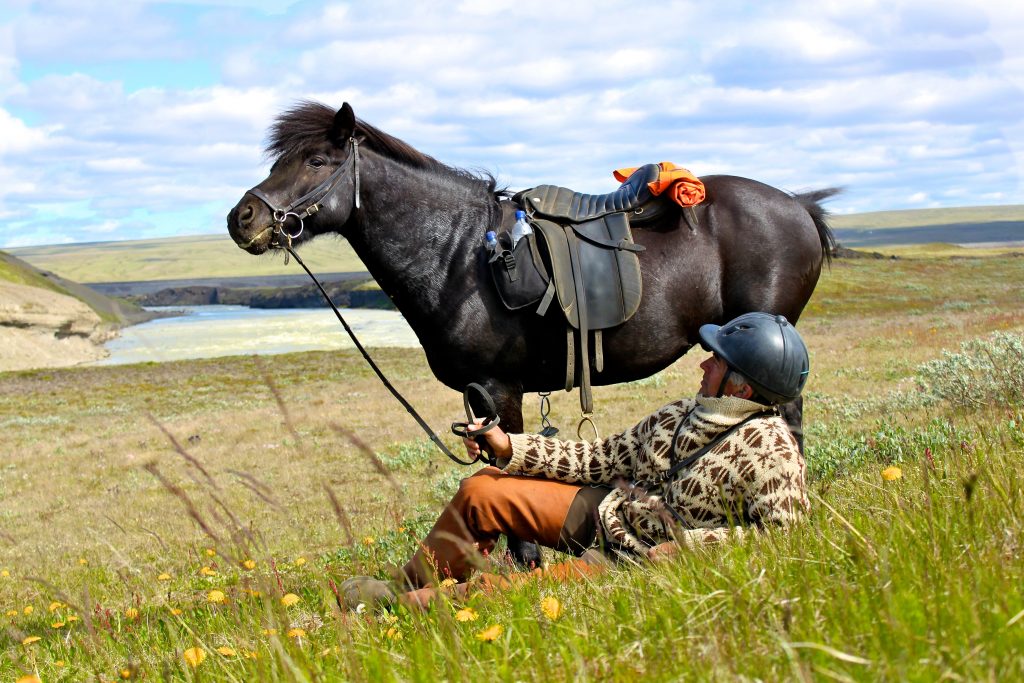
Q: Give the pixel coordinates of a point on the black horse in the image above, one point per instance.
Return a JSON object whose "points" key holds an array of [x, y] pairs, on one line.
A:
{"points": [[418, 226]]}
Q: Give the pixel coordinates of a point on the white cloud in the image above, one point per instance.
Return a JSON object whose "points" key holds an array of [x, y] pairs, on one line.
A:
{"points": [[905, 103]]}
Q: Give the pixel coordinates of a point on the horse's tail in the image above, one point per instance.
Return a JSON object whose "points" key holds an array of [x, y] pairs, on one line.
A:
{"points": [[811, 201]]}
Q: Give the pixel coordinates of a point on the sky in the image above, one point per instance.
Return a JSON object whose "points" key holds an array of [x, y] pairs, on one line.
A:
{"points": [[140, 119]]}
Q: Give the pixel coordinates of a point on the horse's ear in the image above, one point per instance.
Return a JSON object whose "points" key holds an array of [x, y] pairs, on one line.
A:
{"points": [[344, 124]]}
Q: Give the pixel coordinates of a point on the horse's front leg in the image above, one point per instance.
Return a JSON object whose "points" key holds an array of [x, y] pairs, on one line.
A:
{"points": [[508, 400]]}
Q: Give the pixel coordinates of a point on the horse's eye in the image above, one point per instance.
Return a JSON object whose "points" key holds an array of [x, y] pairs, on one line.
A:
{"points": [[317, 162]]}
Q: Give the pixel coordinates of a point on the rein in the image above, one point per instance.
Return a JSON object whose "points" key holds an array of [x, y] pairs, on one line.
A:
{"points": [[394, 392], [317, 195]]}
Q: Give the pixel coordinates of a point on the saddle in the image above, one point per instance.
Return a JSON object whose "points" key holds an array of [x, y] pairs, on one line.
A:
{"points": [[582, 254]]}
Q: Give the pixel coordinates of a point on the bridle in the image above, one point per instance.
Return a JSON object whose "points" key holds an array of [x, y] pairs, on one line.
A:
{"points": [[312, 200]]}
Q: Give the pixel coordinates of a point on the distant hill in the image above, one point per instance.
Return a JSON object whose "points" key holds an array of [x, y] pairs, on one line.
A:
{"points": [[182, 258], [192, 257], [916, 218]]}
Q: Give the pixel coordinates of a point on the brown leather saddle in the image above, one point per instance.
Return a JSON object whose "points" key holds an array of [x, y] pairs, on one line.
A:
{"points": [[582, 254]]}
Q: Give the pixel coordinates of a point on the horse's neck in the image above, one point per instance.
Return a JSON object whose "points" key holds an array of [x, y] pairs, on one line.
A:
{"points": [[418, 233]]}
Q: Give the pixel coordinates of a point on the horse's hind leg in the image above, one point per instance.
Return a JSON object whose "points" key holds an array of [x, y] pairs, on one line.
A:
{"points": [[793, 414]]}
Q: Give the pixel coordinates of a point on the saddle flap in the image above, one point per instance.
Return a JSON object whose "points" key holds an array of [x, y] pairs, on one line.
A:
{"points": [[606, 279], [560, 261], [611, 276]]}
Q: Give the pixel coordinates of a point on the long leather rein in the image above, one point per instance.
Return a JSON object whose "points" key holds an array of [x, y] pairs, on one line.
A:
{"points": [[318, 195]]}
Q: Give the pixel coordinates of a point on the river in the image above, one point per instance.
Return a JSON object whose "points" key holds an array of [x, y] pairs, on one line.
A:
{"points": [[212, 331]]}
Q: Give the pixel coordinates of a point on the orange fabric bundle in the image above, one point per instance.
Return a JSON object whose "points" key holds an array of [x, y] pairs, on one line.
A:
{"points": [[684, 188]]}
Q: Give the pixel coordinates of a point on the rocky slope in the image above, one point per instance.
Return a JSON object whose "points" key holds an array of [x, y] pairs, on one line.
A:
{"points": [[42, 328], [46, 321]]}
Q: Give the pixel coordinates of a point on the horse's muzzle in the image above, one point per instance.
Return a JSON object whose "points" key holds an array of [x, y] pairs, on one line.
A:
{"points": [[249, 229]]}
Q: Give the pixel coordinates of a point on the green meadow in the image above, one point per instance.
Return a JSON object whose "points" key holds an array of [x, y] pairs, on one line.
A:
{"points": [[190, 520]]}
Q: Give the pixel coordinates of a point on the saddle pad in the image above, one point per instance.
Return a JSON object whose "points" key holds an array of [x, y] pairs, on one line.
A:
{"points": [[611, 283]]}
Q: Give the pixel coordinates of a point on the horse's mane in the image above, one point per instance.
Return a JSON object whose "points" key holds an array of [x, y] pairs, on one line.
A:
{"points": [[309, 123]]}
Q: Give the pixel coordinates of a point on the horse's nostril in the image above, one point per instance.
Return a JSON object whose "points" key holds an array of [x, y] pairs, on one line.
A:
{"points": [[247, 213]]}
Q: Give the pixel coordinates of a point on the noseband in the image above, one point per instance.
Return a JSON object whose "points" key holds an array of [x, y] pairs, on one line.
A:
{"points": [[312, 199]]}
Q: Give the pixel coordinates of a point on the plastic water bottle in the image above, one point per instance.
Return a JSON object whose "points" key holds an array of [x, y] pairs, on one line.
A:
{"points": [[491, 240], [521, 228]]}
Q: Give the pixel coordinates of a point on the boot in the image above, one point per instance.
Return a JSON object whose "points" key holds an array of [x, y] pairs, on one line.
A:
{"points": [[367, 591]]}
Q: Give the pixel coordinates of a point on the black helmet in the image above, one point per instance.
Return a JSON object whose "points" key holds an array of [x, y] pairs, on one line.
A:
{"points": [[765, 349]]}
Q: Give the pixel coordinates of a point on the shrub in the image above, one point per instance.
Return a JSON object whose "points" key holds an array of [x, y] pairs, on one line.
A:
{"points": [[985, 371]]}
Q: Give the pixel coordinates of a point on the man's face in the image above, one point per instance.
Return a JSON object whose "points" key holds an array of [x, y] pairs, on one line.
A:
{"points": [[715, 370]]}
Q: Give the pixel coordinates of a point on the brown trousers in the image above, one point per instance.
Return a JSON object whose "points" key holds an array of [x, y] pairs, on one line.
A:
{"points": [[491, 503]]}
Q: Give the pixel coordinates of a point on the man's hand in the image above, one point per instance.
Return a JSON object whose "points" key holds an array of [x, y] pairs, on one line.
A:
{"points": [[496, 438], [663, 551]]}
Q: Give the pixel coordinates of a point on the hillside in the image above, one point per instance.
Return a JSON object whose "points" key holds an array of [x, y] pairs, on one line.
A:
{"points": [[48, 321]]}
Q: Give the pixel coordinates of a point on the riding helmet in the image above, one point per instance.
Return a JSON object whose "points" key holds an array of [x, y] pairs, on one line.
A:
{"points": [[765, 349]]}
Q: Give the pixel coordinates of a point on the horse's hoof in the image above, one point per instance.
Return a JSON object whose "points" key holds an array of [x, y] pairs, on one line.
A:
{"points": [[525, 555]]}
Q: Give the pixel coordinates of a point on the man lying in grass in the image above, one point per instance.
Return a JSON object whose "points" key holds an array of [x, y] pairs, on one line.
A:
{"points": [[697, 471]]}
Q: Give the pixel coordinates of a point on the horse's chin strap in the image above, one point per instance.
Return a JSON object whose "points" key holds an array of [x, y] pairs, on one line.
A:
{"points": [[316, 196]]}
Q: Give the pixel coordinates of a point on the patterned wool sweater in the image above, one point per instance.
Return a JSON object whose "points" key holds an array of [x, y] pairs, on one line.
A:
{"points": [[755, 476]]}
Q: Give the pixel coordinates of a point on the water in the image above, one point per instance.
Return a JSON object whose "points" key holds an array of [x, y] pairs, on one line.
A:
{"points": [[212, 331]]}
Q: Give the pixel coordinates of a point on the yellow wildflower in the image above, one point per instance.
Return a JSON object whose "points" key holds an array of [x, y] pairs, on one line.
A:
{"points": [[28, 610], [29, 679], [448, 583], [252, 654], [892, 473], [490, 633], [126, 674], [369, 540], [59, 662], [57, 624], [12, 612], [5, 572], [164, 577], [299, 561], [296, 633], [131, 613], [394, 634], [210, 552], [216, 597], [54, 606], [466, 614], [249, 564], [253, 593], [70, 618], [194, 656], [289, 599], [226, 651], [206, 571], [30, 639], [270, 631], [82, 561], [175, 611], [551, 607]]}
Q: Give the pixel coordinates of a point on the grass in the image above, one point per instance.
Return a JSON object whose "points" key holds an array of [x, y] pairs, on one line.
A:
{"points": [[910, 579]]}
